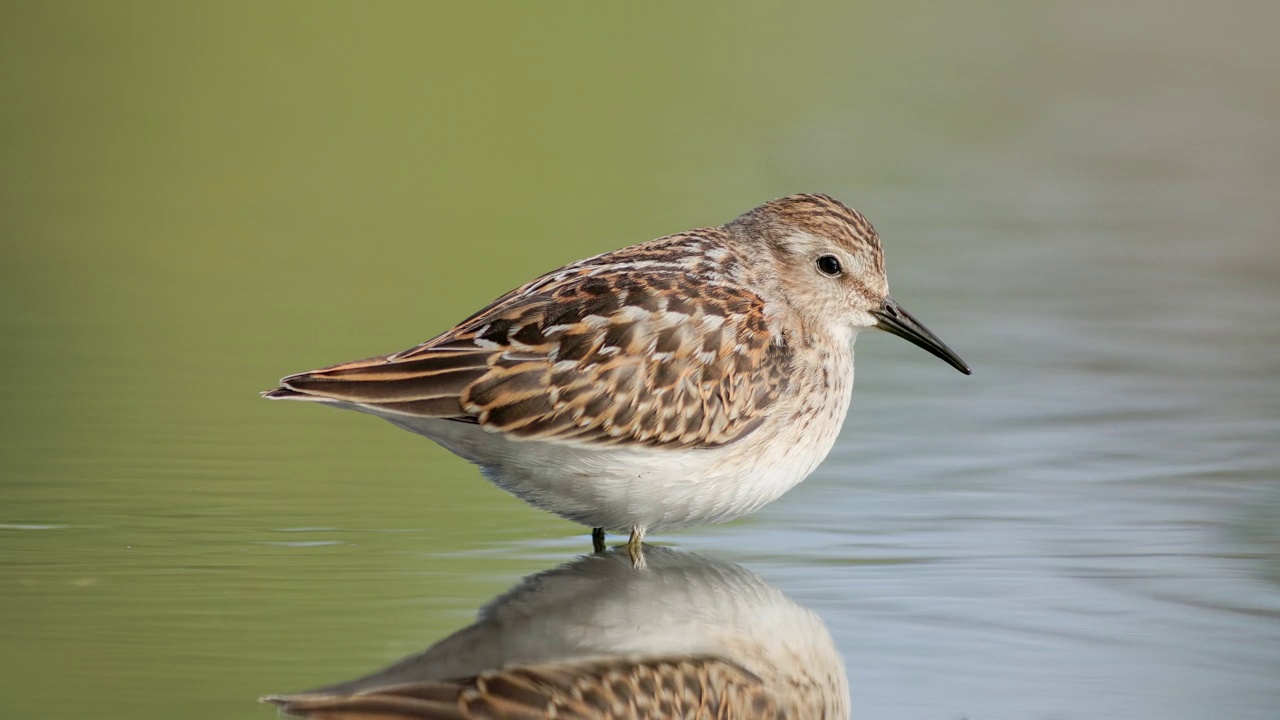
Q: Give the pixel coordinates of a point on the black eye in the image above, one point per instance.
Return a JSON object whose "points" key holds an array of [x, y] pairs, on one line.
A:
{"points": [[829, 265]]}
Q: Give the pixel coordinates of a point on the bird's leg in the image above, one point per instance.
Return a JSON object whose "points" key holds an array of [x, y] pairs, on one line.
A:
{"points": [[597, 539], [635, 547]]}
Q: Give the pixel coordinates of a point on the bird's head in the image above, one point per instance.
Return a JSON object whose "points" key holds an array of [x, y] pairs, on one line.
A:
{"points": [[830, 266]]}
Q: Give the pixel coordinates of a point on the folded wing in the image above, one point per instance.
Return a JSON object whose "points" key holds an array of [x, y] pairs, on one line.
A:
{"points": [[678, 687], [598, 354]]}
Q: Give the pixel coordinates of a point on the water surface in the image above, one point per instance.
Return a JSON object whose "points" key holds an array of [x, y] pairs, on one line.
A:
{"points": [[1079, 198]]}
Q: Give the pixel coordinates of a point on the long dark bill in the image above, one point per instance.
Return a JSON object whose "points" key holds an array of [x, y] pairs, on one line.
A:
{"points": [[895, 319]]}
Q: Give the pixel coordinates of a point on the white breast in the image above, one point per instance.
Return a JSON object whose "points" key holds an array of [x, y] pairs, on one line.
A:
{"points": [[621, 488]]}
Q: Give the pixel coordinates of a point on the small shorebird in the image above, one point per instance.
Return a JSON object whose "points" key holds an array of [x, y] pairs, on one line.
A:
{"points": [[692, 637], [690, 379]]}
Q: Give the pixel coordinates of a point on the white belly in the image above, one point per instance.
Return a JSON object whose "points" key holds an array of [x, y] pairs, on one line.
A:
{"points": [[622, 488]]}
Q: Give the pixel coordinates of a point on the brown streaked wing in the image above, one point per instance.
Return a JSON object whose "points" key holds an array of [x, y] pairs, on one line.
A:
{"points": [[698, 688], [428, 386], [603, 355]]}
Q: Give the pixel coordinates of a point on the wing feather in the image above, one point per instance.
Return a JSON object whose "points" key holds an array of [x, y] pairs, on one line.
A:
{"points": [[612, 353], [616, 688]]}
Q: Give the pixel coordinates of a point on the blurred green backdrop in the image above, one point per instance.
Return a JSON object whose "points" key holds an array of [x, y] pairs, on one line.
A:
{"points": [[197, 198]]}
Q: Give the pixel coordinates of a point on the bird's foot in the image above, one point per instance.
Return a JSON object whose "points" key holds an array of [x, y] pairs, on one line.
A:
{"points": [[635, 547]]}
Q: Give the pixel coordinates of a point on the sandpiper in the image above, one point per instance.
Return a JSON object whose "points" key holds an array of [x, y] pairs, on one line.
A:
{"points": [[686, 380]]}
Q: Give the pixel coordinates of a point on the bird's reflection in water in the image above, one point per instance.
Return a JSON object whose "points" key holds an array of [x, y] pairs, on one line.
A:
{"points": [[687, 637]]}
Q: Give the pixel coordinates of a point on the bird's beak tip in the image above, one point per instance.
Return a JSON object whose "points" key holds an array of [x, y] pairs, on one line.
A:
{"points": [[893, 318]]}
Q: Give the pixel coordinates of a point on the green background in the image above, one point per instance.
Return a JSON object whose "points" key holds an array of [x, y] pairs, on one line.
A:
{"points": [[198, 198]]}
